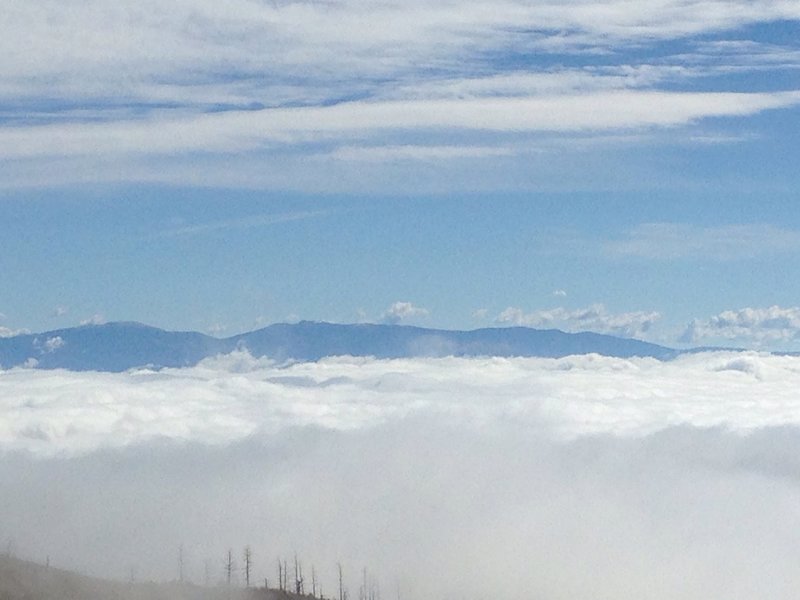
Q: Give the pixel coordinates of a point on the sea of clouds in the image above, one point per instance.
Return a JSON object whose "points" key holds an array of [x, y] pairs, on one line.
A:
{"points": [[582, 477]]}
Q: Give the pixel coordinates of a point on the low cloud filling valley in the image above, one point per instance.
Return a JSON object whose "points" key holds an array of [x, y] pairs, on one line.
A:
{"points": [[582, 477]]}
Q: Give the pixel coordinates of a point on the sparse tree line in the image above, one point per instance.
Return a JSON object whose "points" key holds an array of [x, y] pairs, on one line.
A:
{"points": [[292, 578]]}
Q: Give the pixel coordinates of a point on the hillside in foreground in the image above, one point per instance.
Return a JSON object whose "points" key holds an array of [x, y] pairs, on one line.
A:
{"points": [[24, 580]]}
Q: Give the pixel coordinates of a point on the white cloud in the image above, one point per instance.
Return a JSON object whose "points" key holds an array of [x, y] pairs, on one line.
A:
{"points": [[560, 293], [466, 477], [403, 311], [239, 131], [50, 345], [762, 326], [416, 153], [95, 319], [725, 242], [54, 343], [232, 397], [6, 332], [242, 223], [593, 318], [216, 329], [59, 311], [143, 81], [481, 314], [102, 51]]}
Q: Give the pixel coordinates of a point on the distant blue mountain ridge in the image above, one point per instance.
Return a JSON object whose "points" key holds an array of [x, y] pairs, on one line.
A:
{"points": [[121, 346]]}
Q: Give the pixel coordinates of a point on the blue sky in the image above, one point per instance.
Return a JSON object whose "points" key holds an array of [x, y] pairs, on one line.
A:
{"points": [[620, 167]]}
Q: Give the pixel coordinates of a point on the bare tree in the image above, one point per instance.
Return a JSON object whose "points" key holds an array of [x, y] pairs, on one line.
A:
{"points": [[229, 566], [362, 592], [341, 582], [280, 575], [248, 562], [313, 581], [298, 577]]}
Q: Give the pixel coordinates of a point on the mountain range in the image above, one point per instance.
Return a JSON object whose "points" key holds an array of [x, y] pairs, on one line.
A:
{"points": [[121, 346]]}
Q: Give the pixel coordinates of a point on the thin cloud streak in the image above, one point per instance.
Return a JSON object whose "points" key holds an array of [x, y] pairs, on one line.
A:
{"points": [[669, 241], [241, 223]]}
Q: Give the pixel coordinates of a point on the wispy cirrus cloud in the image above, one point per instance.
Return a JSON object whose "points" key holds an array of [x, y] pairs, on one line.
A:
{"points": [[400, 80], [416, 153], [667, 241], [239, 131], [241, 223]]}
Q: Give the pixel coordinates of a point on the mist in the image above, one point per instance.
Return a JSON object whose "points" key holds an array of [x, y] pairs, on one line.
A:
{"points": [[583, 477]]}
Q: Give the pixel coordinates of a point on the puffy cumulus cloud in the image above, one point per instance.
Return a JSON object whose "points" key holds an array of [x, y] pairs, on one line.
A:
{"points": [[49, 345], [579, 478], [403, 311], [8, 332], [95, 319], [751, 325], [593, 318]]}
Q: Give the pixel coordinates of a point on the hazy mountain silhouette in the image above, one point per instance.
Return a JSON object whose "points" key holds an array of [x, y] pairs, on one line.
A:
{"points": [[121, 346]]}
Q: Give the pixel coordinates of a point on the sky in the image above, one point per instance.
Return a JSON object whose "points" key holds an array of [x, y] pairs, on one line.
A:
{"points": [[626, 168]]}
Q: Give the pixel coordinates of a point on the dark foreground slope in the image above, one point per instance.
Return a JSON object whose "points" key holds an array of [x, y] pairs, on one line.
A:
{"points": [[122, 346], [22, 580]]}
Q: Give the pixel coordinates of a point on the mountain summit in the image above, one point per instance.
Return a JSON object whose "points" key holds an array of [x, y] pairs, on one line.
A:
{"points": [[125, 345]]}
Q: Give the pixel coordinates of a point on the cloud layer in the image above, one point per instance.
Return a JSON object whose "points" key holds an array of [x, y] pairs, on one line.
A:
{"points": [[93, 92], [583, 477], [51, 413]]}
